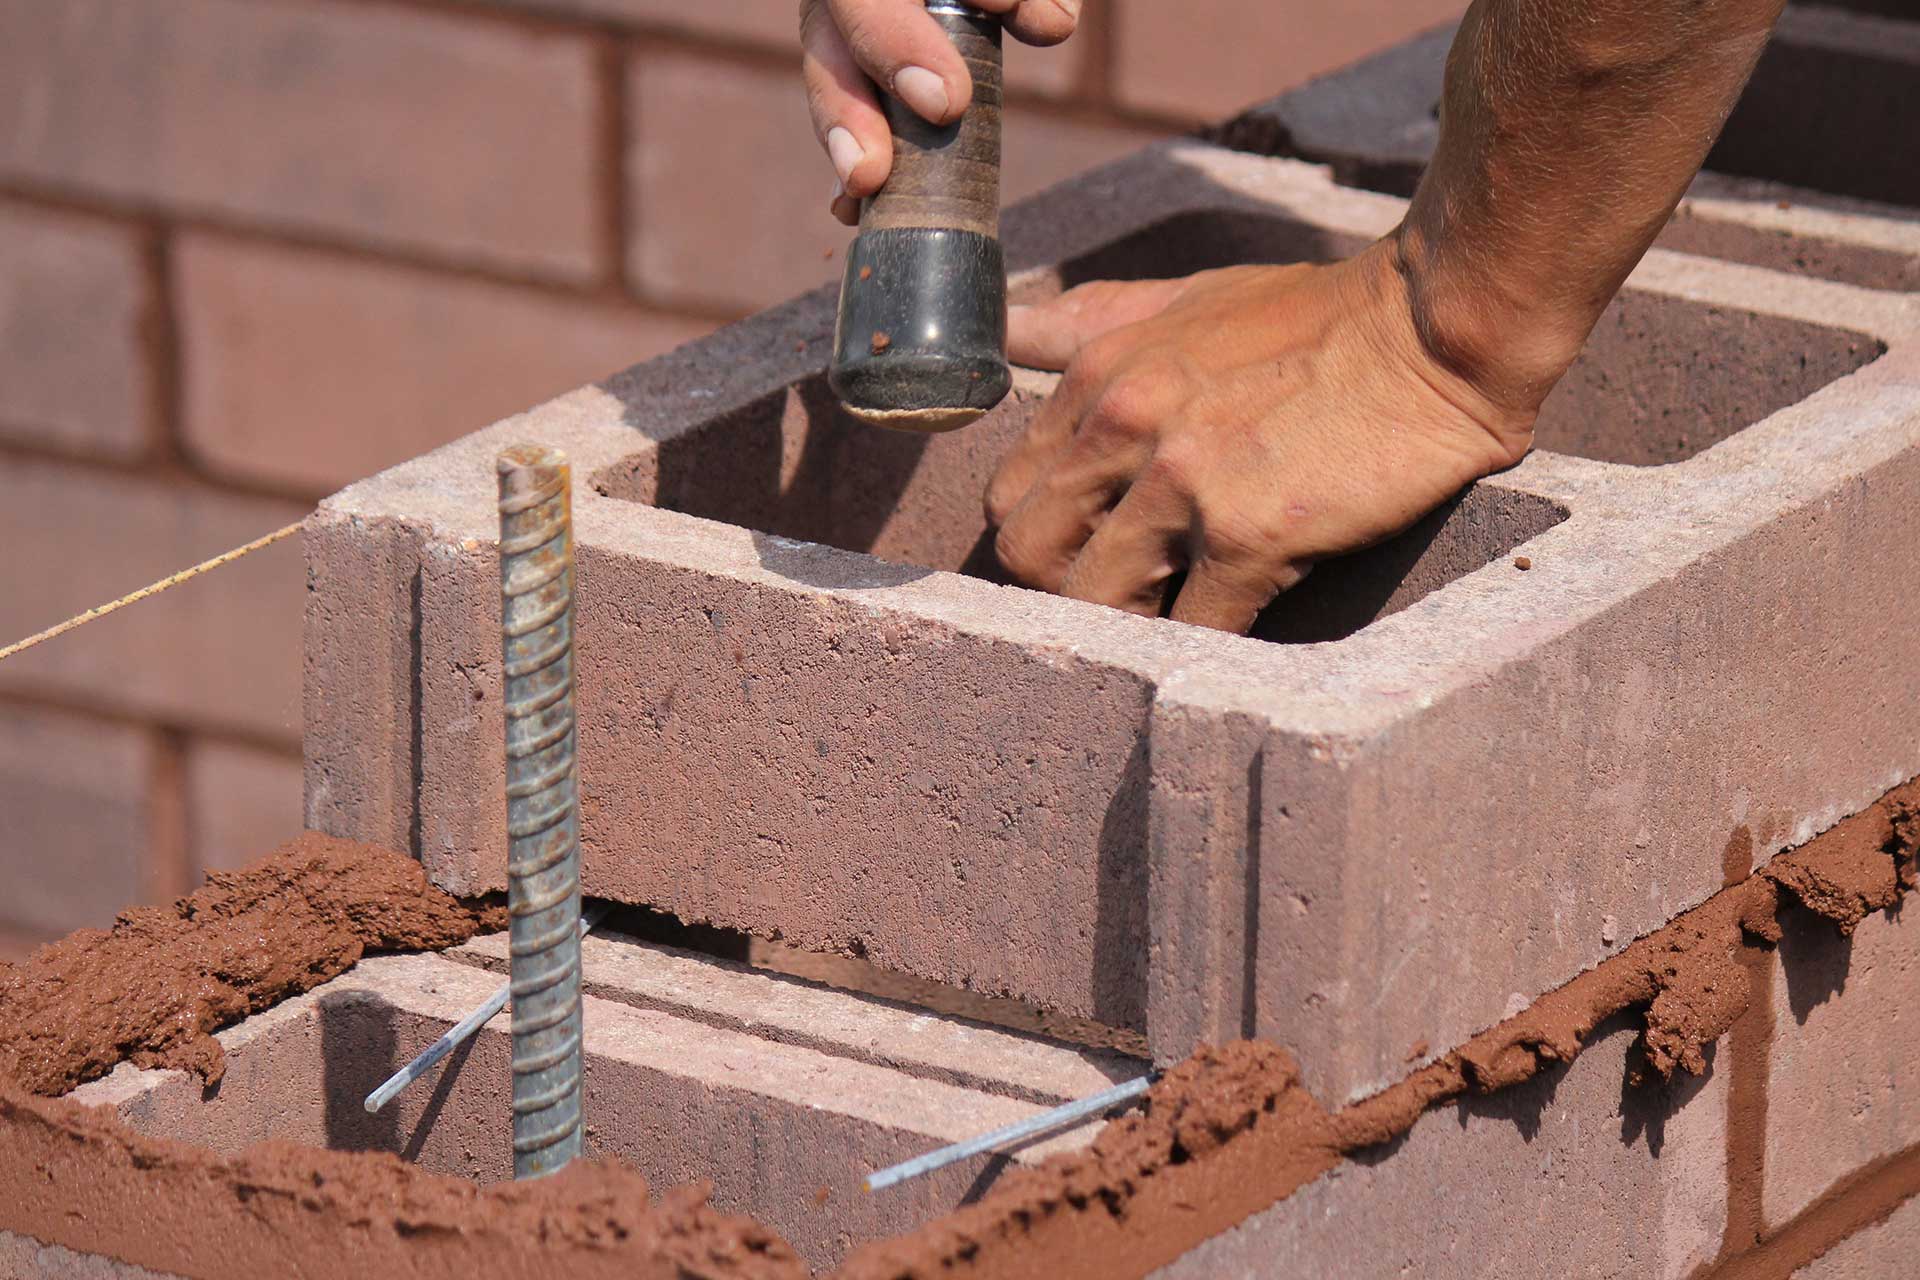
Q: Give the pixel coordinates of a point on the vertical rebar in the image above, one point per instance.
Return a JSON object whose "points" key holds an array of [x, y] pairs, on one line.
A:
{"points": [[543, 823]]}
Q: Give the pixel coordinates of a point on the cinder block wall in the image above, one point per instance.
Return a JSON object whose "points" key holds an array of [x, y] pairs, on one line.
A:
{"points": [[251, 250]]}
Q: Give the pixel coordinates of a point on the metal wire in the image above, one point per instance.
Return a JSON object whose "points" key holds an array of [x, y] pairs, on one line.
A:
{"points": [[1032, 1127], [543, 811]]}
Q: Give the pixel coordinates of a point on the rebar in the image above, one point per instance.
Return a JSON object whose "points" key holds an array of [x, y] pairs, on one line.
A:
{"points": [[456, 1035], [543, 811]]}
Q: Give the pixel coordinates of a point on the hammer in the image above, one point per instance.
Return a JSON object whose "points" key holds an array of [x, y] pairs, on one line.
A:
{"points": [[921, 342]]}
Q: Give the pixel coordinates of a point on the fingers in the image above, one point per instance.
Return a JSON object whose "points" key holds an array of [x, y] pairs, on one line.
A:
{"points": [[1048, 335], [847, 118], [1228, 595], [1041, 22], [1046, 438], [904, 51], [1130, 557]]}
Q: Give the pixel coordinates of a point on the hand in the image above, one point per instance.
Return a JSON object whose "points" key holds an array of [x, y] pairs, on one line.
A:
{"points": [[1238, 426], [852, 45]]}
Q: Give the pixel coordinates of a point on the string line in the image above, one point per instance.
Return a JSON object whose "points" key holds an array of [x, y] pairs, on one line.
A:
{"points": [[154, 589]]}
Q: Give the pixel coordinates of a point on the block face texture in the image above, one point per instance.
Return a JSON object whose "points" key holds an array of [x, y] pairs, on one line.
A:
{"points": [[1843, 1080], [774, 740], [218, 652], [72, 304], [74, 792], [268, 336], [1436, 879], [360, 637], [462, 139], [1576, 1173], [1212, 57], [23, 1256], [240, 800], [1885, 1249]]}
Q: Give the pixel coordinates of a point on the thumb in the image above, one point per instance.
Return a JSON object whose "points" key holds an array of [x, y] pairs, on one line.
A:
{"points": [[1047, 335]]}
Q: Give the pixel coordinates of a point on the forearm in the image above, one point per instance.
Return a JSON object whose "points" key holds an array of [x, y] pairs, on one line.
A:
{"points": [[1569, 131]]}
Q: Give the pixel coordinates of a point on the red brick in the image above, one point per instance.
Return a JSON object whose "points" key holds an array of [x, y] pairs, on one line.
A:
{"points": [[308, 371], [773, 23], [74, 792], [370, 122], [221, 651], [732, 212], [745, 224], [1040, 150], [1843, 1085], [71, 365], [1207, 58], [242, 802]]}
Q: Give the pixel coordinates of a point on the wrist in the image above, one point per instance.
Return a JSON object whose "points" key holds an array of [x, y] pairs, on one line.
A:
{"points": [[1408, 338], [1500, 334]]}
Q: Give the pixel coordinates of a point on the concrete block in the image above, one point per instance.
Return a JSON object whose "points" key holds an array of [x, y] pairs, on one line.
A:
{"points": [[788, 1010], [1576, 1173], [1885, 1249], [809, 711], [404, 128], [23, 1257], [784, 1132], [1786, 188], [1843, 1078]]}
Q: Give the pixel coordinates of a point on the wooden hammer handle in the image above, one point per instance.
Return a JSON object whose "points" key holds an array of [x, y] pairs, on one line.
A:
{"points": [[948, 176]]}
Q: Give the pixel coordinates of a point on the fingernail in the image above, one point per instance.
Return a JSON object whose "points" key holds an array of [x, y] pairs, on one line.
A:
{"points": [[1069, 7], [924, 91], [845, 151], [839, 190]]}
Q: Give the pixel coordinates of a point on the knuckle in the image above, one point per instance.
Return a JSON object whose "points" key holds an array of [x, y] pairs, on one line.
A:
{"points": [[1178, 465], [1017, 554]]}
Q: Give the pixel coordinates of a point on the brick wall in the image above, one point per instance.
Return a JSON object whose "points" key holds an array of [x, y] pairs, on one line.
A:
{"points": [[253, 249]]}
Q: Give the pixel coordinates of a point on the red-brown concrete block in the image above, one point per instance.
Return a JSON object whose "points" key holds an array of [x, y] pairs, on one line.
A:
{"points": [[219, 652], [1206, 58], [239, 800], [1428, 782], [1884, 1249], [306, 370], [72, 360], [1843, 1079], [1577, 1173], [379, 123], [74, 795], [785, 1132], [24, 1256]]}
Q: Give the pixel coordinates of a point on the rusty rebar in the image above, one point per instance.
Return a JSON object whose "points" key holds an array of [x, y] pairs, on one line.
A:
{"points": [[543, 811]]}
